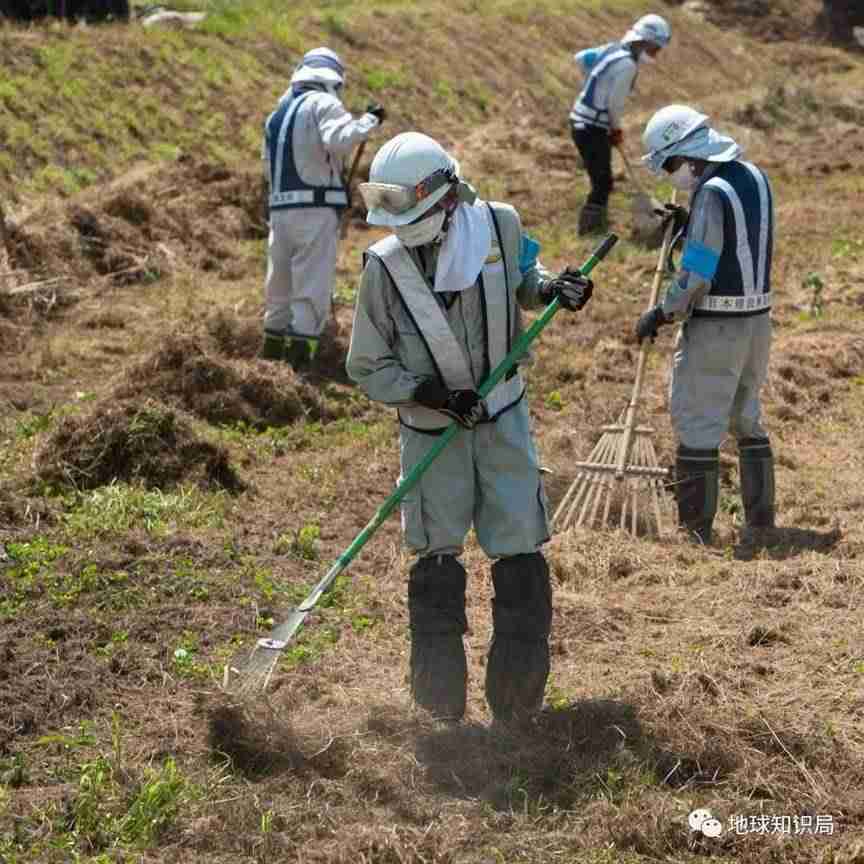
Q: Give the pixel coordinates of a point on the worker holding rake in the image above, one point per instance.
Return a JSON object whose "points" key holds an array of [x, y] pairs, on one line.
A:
{"points": [[723, 295], [595, 120], [306, 140], [437, 309]]}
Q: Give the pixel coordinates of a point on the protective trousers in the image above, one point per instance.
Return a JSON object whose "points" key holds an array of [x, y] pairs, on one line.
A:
{"points": [[301, 268], [518, 663], [596, 152], [489, 477], [436, 612], [718, 371]]}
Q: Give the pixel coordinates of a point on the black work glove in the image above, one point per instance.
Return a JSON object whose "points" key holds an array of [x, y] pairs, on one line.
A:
{"points": [[464, 406], [572, 289], [377, 110], [679, 216], [649, 323]]}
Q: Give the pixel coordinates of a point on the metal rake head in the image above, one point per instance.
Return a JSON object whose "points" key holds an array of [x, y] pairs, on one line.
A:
{"points": [[249, 679]]}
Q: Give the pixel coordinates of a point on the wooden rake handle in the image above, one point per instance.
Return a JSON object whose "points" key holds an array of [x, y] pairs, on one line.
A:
{"points": [[631, 173], [630, 416]]}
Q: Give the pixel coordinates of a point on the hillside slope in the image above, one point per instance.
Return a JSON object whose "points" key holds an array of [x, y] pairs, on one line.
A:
{"points": [[164, 496]]}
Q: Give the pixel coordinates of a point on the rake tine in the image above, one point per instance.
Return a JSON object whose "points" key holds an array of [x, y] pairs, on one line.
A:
{"points": [[634, 489], [584, 485], [579, 486], [610, 494], [581, 500], [655, 490], [576, 486], [564, 501], [597, 486]]}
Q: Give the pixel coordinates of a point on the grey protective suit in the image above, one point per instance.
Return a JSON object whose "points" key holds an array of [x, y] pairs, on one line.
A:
{"points": [[488, 476], [723, 347], [302, 247]]}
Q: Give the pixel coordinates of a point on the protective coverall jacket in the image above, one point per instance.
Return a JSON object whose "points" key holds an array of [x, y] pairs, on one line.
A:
{"points": [[403, 330], [306, 140]]}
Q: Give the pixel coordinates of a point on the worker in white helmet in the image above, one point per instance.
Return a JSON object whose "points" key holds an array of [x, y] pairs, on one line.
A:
{"points": [[722, 294], [596, 118], [306, 142], [437, 310]]}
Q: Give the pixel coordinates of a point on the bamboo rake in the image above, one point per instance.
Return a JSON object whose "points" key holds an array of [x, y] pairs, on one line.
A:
{"points": [[623, 461]]}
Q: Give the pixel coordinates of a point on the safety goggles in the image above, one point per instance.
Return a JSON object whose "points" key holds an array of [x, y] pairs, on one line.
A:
{"points": [[397, 199]]}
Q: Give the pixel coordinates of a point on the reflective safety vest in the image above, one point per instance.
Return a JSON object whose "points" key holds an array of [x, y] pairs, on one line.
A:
{"points": [[448, 355], [742, 283], [287, 190], [586, 109]]}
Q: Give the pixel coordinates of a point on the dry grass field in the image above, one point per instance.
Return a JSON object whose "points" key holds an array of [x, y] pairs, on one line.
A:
{"points": [[165, 497]]}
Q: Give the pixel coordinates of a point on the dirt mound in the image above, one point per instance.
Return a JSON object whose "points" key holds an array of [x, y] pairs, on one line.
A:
{"points": [[147, 225], [240, 338], [143, 442], [253, 392]]}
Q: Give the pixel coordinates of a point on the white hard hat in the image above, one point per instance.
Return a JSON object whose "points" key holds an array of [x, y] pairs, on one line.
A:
{"points": [[649, 28], [320, 66], [408, 176], [678, 130]]}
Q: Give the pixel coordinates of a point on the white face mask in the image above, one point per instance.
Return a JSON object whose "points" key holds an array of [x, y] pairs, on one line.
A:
{"points": [[645, 57], [420, 233], [684, 178]]}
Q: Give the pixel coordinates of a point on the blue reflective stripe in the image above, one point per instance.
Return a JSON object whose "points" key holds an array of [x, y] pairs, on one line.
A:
{"points": [[528, 253], [700, 259]]}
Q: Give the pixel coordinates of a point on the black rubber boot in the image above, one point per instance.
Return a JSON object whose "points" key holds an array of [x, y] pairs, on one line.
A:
{"points": [[300, 352], [592, 219], [436, 610], [518, 663], [756, 466], [273, 346], [697, 490]]}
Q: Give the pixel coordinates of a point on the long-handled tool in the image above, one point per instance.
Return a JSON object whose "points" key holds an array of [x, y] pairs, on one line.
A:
{"points": [[609, 473], [346, 216], [647, 224], [253, 675]]}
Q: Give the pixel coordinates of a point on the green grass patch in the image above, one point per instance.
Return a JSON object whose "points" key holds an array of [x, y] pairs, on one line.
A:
{"points": [[120, 507]]}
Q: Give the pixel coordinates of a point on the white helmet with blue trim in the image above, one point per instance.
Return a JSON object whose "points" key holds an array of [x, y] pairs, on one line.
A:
{"points": [[649, 28], [320, 66], [678, 130]]}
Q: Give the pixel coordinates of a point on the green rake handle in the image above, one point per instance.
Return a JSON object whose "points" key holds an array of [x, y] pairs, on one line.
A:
{"points": [[283, 632]]}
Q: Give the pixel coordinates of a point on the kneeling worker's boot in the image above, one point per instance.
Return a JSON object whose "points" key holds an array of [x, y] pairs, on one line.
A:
{"points": [[300, 352], [518, 663], [273, 346], [697, 489], [436, 610], [592, 219], [756, 466]]}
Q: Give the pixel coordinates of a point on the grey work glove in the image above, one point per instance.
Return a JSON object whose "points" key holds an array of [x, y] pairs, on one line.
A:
{"points": [[376, 109], [649, 323], [572, 289], [464, 406]]}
